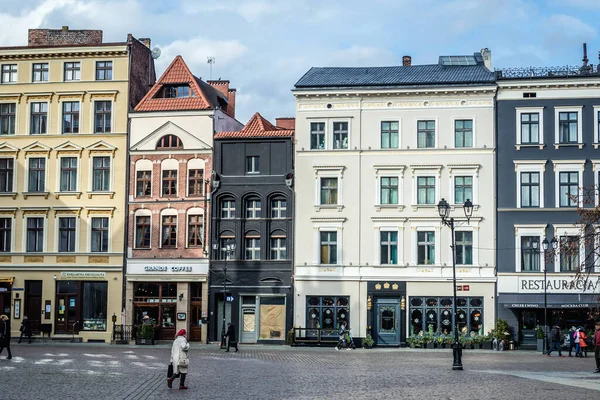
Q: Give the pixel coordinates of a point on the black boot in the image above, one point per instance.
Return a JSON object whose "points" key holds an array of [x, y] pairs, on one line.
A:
{"points": [[182, 382]]}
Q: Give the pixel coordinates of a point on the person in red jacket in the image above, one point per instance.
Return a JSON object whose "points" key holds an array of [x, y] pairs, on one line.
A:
{"points": [[597, 346]]}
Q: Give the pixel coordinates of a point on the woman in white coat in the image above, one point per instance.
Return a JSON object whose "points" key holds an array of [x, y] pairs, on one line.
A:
{"points": [[179, 359]]}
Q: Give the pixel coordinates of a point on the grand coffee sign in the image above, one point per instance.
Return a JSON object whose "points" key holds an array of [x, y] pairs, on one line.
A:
{"points": [[559, 285]]}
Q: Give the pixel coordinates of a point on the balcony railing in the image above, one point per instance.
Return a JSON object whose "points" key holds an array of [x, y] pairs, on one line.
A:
{"points": [[547, 72]]}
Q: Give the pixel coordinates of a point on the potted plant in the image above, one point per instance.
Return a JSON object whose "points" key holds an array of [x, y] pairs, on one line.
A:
{"points": [[441, 341], [539, 335], [429, 338], [145, 334], [487, 341], [368, 342], [477, 340], [290, 337], [411, 341]]}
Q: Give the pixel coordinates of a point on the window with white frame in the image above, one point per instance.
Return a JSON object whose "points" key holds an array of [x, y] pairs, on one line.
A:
{"points": [[169, 182], [390, 134], [425, 134], [143, 183], [317, 135], [68, 174], [39, 118], [596, 126], [7, 171], [329, 191], [142, 231], [278, 245], [5, 234], [568, 126], [36, 177], [568, 188], [101, 174], [463, 133], [528, 240], [463, 189], [569, 253], [67, 233], [7, 118], [426, 190], [278, 209], [253, 209], [252, 245], [195, 230], [228, 209], [389, 190], [9, 73], [169, 231], [72, 71], [426, 184], [252, 164], [425, 247], [340, 135], [328, 246], [35, 235], [530, 183], [388, 246], [464, 247], [99, 235], [530, 126]]}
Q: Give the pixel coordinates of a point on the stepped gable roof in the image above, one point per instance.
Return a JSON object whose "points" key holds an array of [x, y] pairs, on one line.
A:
{"points": [[256, 127], [205, 97]]}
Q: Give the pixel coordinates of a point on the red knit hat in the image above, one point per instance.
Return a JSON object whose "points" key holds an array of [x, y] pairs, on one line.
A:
{"points": [[181, 332]]}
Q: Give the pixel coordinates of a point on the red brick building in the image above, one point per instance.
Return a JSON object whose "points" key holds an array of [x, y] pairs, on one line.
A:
{"points": [[170, 164]]}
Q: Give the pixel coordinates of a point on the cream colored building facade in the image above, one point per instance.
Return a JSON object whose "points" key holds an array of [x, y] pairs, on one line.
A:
{"points": [[63, 145], [371, 165]]}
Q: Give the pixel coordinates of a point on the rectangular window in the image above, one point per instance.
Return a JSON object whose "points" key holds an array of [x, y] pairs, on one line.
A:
{"points": [[68, 174], [178, 91], [169, 182], [66, 234], [390, 135], [102, 116], [530, 189], [143, 183], [463, 133], [142, 232], [568, 189], [103, 70], [328, 248], [425, 134], [317, 135], [228, 209], [9, 73], [432, 313], [567, 127], [196, 182], [5, 234], [7, 118], [72, 71], [36, 181], [326, 313], [253, 209], [169, 231], [252, 165], [463, 189], [389, 247], [35, 235], [278, 248], [389, 190], [6, 175], [278, 209], [329, 191], [101, 174], [340, 135], [40, 72], [530, 128], [100, 235], [569, 253], [530, 254], [95, 298], [39, 118], [425, 190], [464, 247], [425, 247], [252, 248], [195, 231], [70, 121]]}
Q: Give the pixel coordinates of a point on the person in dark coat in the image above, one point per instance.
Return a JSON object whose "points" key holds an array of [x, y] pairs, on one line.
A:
{"points": [[555, 336], [25, 329], [572, 340], [231, 335], [5, 335]]}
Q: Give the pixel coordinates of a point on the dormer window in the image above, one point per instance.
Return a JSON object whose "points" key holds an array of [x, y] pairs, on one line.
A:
{"points": [[169, 142], [177, 91]]}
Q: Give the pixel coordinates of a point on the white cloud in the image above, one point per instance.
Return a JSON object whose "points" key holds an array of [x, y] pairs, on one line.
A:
{"points": [[566, 30], [251, 11]]}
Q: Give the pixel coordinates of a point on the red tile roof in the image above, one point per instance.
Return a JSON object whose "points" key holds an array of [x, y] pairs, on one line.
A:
{"points": [[256, 127], [179, 73]]}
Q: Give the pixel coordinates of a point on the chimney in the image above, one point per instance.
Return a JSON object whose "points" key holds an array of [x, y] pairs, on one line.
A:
{"points": [[145, 41], [231, 102], [486, 54], [406, 61], [63, 37], [585, 58], [286, 123]]}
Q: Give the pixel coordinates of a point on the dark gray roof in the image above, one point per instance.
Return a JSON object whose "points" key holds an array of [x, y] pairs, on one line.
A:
{"points": [[435, 74]]}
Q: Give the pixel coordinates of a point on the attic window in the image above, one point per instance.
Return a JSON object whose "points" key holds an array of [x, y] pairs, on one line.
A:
{"points": [[169, 142], [172, 92]]}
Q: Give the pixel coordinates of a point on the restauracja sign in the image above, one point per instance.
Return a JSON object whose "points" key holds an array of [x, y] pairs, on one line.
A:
{"points": [[558, 285]]}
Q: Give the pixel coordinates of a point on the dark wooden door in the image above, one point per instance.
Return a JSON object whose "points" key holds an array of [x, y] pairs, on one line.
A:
{"points": [[33, 304], [66, 313], [195, 322]]}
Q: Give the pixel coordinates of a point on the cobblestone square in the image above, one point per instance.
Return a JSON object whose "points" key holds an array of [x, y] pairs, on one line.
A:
{"points": [[85, 371]]}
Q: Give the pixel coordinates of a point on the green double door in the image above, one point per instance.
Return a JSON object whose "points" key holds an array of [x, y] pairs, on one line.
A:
{"points": [[388, 322]]}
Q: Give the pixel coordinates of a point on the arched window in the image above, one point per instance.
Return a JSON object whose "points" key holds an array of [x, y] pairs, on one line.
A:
{"points": [[252, 245], [278, 245], [278, 208], [253, 208], [169, 228], [228, 208], [195, 234], [224, 238], [169, 142], [143, 226]]}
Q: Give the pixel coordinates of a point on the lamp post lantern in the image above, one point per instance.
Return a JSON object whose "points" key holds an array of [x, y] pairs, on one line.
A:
{"points": [[444, 212], [229, 249]]}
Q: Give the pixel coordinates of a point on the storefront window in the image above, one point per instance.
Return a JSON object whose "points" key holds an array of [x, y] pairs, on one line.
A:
{"points": [[95, 295], [158, 302], [436, 312], [272, 318], [327, 313]]}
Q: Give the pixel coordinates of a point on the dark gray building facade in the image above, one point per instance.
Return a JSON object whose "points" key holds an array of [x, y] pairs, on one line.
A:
{"points": [[252, 206], [548, 166]]}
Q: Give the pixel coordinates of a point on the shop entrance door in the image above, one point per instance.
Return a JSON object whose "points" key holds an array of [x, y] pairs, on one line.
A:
{"points": [[66, 314], [387, 322], [249, 324], [529, 322], [33, 304], [196, 322]]}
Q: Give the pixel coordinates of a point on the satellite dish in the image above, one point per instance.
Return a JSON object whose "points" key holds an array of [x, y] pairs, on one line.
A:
{"points": [[155, 53]]}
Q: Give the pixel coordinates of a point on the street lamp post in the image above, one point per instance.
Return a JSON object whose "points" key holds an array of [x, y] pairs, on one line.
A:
{"points": [[545, 246], [444, 212], [229, 249]]}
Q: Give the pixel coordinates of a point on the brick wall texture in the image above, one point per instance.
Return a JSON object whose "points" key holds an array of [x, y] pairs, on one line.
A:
{"points": [[63, 37], [142, 75]]}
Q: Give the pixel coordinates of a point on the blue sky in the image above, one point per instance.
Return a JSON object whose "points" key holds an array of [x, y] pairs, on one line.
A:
{"points": [[264, 46]]}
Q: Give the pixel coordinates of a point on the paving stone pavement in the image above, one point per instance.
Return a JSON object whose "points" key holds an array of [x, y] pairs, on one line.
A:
{"points": [[88, 371]]}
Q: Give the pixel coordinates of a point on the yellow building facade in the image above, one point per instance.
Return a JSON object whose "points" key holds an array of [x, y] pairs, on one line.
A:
{"points": [[64, 102]]}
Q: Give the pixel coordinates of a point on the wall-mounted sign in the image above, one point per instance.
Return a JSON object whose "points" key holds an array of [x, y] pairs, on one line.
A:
{"points": [[229, 299], [557, 285], [165, 268], [82, 275], [181, 316], [462, 288]]}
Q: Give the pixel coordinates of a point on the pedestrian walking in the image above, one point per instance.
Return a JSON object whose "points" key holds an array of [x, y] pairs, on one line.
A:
{"points": [[179, 360], [555, 337], [597, 346], [582, 343], [572, 333], [5, 335], [25, 329], [341, 336], [232, 337]]}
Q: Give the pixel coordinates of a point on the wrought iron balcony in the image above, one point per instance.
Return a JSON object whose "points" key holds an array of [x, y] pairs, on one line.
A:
{"points": [[566, 71]]}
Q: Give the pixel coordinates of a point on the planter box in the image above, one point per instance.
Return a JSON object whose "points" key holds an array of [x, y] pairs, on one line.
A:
{"points": [[540, 345], [431, 345], [147, 342], [487, 345]]}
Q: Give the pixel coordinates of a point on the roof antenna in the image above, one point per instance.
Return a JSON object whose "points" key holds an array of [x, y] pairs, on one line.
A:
{"points": [[210, 61]]}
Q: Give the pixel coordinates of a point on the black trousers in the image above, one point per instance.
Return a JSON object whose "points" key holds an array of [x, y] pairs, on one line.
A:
{"points": [[6, 343], [232, 344], [181, 380], [25, 333]]}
